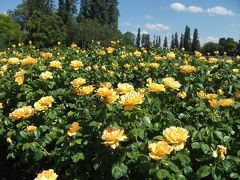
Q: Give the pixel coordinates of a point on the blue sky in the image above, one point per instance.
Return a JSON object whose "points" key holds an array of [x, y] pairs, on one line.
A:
{"points": [[212, 18]]}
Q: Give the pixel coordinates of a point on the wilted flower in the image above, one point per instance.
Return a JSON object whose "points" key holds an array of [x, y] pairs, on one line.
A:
{"points": [[112, 136], [78, 82], [177, 136], [186, 69], [76, 64], [22, 113], [31, 128], [124, 88], [56, 64], [170, 82], [47, 175], [46, 75], [131, 99], [73, 129], [159, 149], [221, 150], [44, 103]]}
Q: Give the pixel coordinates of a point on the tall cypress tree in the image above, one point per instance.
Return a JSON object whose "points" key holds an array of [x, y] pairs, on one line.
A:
{"points": [[165, 45], [187, 39], [181, 41], [159, 41], [113, 14], [195, 42], [138, 39], [176, 40], [172, 42]]}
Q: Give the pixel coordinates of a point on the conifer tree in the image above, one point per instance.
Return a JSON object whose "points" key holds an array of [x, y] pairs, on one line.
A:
{"points": [[176, 40], [181, 41], [138, 38], [195, 42], [187, 39], [165, 45]]}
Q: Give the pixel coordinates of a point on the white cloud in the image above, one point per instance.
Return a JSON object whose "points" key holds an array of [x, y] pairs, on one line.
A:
{"points": [[148, 17], [211, 39], [5, 13], [219, 10], [178, 7], [126, 24], [157, 27], [144, 32], [194, 9]]}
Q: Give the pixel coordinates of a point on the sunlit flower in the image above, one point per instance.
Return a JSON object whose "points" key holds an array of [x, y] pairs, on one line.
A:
{"points": [[56, 64], [221, 150], [46, 55], [110, 50], [13, 61], [127, 66], [104, 92], [112, 136], [131, 99], [214, 103], [170, 55], [88, 68], [201, 94], [28, 61], [19, 77], [1, 105], [137, 53], [226, 102], [47, 175], [78, 82], [76, 64], [159, 149], [101, 53], [44, 103], [181, 95], [73, 129], [124, 88], [106, 84], [142, 64], [84, 90], [197, 54], [211, 96], [103, 68], [154, 65], [22, 113], [220, 91], [46, 75], [237, 94], [235, 70], [31, 128], [110, 73], [176, 136], [9, 140], [212, 60], [170, 82], [155, 87], [95, 66], [186, 69]]}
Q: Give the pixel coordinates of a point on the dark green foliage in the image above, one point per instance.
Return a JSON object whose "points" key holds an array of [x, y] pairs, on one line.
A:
{"points": [[138, 38], [210, 47], [238, 48], [172, 42], [146, 41], [195, 42], [9, 31], [165, 44], [187, 39], [176, 40], [128, 38], [181, 41]]}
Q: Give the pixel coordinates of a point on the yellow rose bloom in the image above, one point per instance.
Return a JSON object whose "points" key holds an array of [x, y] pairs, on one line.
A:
{"points": [[155, 87], [154, 65], [170, 55], [131, 99], [211, 96], [220, 92], [31, 128], [177, 136], [78, 82], [46, 75], [127, 66], [142, 64], [135, 68], [56, 64], [170, 82], [73, 45], [238, 57], [214, 103], [84, 90], [187, 69], [1, 105], [159, 149], [73, 129], [221, 150], [112, 136], [88, 68], [137, 53], [22, 113], [237, 94], [110, 50], [76, 64], [104, 92], [226, 102], [95, 66], [13, 61], [235, 70], [201, 94], [103, 68], [182, 95], [124, 88], [212, 60], [47, 175], [28, 61], [101, 53], [110, 73], [44, 103], [106, 84], [9, 140], [46, 55]]}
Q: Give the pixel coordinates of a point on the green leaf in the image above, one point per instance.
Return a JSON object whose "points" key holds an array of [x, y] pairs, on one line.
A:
{"points": [[70, 113], [219, 135], [205, 148], [196, 145], [77, 157], [203, 171], [162, 173], [234, 175], [119, 170]]}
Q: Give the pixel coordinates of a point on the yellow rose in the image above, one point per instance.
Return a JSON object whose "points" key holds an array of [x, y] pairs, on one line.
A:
{"points": [[19, 80], [104, 92], [220, 92], [13, 61], [142, 64], [187, 69], [28, 61], [78, 82], [46, 75], [237, 94], [88, 68], [201, 95], [112, 136], [110, 73], [170, 82], [46, 55], [101, 53], [124, 88], [159, 149], [73, 45], [170, 55], [137, 53], [22, 113], [95, 66], [84, 90], [127, 66], [47, 175], [103, 68], [56, 64], [238, 57], [154, 65], [110, 50], [235, 70], [76, 64], [177, 136], [73, 129], [1, 105], [44, 103], [222, 150], [155, 87], [181, 95], [31, 128], [214, 103], [226, 102], [131, 99]]}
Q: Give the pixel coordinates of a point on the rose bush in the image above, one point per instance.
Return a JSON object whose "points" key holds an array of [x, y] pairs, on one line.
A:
{"points": [[117, 112]]}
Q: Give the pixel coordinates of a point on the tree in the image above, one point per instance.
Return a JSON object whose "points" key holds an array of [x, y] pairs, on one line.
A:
{"points": [[165, 45], [187, 39], [9, 31], [176, 40], [138, 38], [230, 46], [113, 14], [195, 42], [146, 40], [181, 41], [238, 48], [128, 38], [67, 9], [159, 41], [210, 47], [172, 42]]}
